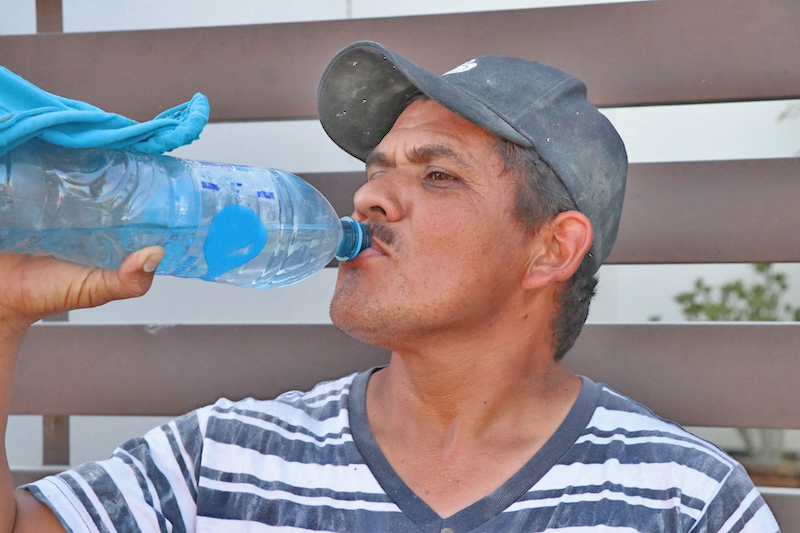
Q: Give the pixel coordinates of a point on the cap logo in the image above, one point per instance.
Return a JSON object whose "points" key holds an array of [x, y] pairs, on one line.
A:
{"points": [[464, 67]]}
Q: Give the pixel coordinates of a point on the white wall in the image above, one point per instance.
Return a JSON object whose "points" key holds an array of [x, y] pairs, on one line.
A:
{"points": [[17, 17], [79, 15]]}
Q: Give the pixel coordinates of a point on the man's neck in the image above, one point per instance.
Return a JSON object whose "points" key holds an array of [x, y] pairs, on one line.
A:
{"points": [[456, 427], [439, 391]]}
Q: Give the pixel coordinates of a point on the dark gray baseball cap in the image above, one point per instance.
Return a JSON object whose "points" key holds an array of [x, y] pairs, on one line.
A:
{"points": [[366, 86]]}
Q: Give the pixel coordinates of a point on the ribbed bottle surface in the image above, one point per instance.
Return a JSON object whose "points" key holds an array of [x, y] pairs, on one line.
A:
{"points": [[247, 226]]}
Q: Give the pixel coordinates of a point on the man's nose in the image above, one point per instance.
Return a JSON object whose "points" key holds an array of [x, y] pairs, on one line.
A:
{"points": [[379, 199]]}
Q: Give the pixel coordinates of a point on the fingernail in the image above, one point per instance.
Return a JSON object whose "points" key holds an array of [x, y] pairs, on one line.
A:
{"points": [[152, 262]]}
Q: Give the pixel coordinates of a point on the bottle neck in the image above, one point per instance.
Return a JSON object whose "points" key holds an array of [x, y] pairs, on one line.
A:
{"points": [[356, 238]]}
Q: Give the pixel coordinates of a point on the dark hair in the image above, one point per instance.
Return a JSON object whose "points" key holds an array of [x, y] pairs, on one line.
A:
{"points": [[540, 197]]}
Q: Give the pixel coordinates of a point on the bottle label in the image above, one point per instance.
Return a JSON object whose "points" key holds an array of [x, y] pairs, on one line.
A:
{"points": [[236, 236], [236, 205], [239, 181]]}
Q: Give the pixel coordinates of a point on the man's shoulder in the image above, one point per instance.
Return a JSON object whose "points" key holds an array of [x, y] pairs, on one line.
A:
{"points": [[632, 434], [620, 415], [633, 469], [323, 406]]}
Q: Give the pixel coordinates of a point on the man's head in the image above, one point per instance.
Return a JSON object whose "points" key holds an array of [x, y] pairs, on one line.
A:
{"points": [[559, 146]]}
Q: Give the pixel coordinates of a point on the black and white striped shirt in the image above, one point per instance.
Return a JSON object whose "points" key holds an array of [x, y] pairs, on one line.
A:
{"points": [[308, 462]]}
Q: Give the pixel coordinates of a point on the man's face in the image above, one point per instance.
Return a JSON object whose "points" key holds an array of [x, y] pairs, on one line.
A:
{"points": [[448, 251]]}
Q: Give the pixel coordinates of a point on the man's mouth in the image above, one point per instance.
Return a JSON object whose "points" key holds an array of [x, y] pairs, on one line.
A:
{"points": [[382, 235]]}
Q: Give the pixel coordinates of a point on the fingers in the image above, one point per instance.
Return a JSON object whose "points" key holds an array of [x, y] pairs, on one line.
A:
{"points": [[32, 288], [97, 286]]}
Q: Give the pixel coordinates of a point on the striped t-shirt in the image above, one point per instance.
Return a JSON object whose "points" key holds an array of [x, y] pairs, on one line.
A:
{"points": [[308, 462]]}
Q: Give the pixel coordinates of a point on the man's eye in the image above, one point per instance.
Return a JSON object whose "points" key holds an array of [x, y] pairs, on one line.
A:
{"points": [[441, 176]]}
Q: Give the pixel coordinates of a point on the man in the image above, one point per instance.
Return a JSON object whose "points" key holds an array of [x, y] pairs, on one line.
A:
{"points": [[494, 193]]}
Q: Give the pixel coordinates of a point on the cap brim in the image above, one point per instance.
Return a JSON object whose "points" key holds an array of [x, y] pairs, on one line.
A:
{"points": [[367, 86]]}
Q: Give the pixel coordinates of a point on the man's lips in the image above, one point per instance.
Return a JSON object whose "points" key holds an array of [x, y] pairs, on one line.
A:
{"points": [[372, 251], [382, 237], [377, 246], [376, 249]]}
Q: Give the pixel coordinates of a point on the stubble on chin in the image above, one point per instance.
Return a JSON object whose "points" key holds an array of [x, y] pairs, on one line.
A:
{"points": [[356, 314], [346, 302]]}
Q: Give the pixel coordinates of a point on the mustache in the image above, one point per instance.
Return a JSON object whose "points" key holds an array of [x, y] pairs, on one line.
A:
{"points": [[382, 232]]}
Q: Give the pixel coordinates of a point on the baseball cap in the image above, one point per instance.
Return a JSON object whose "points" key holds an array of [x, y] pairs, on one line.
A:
{"points": [[366, 86]]}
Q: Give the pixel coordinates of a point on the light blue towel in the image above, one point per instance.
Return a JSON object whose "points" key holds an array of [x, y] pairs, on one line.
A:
{"points": [[27, 111]]}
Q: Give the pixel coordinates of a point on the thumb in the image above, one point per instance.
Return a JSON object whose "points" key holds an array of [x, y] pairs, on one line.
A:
{"points": [[134, 276]]}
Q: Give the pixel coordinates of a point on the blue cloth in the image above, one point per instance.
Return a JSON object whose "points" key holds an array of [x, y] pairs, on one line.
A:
{"points": [[27, 111]]}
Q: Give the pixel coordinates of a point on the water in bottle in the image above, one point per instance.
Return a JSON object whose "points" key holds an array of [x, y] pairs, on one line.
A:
{"points": [[247, 226]]}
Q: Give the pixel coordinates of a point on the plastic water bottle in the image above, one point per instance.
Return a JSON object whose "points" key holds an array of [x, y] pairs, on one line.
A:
{"points": [[247, 226]]}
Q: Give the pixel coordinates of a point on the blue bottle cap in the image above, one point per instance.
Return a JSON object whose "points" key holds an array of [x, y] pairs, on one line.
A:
{"points": [[357, 237]]}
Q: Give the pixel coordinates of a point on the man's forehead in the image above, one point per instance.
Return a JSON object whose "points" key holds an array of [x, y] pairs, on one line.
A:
{"points": [[427, 113], [428, 131], [421, 153]]}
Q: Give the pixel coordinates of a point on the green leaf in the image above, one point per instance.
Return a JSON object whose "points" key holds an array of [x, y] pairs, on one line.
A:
{"points": [[735, 300]]}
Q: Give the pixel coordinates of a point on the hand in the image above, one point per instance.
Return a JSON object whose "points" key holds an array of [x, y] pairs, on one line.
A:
{"points": [[32, 288]]}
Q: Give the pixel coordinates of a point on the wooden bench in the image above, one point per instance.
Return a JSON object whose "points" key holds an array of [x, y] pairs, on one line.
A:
{"points": [[629, 54]]}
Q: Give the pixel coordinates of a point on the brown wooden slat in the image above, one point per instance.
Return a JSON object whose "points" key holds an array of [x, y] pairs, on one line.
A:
{"points": [[49, 16], [696, 212], [628, 53], [785, 505], [728, 375], [60, 317], [127, 370], [722, 375], [711, 212], [55, 440], [21, 477]]}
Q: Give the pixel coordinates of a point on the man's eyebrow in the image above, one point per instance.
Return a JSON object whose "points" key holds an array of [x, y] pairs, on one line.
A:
{"points": [[421, 154], [377, 158], [429, 152]]}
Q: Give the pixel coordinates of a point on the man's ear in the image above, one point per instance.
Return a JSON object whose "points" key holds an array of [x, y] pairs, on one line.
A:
{"points": [[558, 249]]}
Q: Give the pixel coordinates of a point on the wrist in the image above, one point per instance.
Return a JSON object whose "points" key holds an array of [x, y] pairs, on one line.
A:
{"points": [[12, 333]]}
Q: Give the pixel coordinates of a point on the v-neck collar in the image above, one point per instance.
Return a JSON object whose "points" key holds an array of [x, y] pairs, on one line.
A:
{"points": [[488, 507]]}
